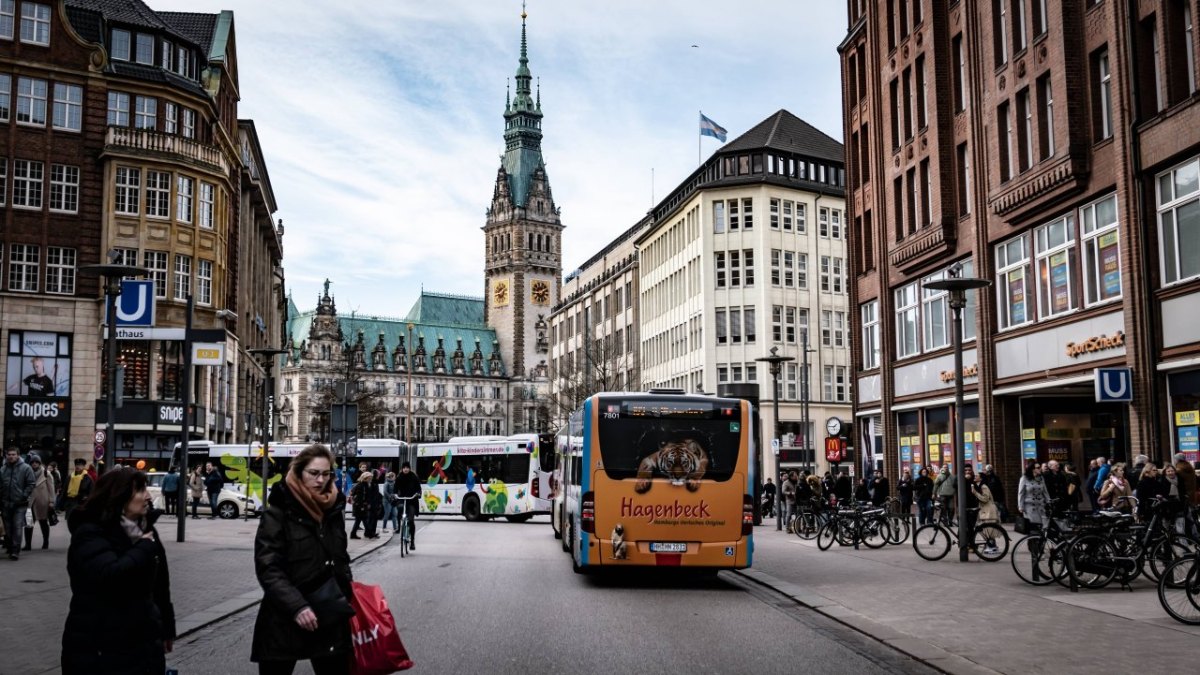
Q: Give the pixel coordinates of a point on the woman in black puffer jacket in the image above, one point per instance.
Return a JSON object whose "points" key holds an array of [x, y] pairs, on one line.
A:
{"points": [[121, 621], [300, 545]]}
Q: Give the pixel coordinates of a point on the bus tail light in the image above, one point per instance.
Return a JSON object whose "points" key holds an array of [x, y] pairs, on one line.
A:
{"points": [[587, 513], [747, 514], [535, 487]]}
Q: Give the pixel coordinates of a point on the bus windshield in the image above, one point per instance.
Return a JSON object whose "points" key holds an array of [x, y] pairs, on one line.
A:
{"points": [[637, 430]]}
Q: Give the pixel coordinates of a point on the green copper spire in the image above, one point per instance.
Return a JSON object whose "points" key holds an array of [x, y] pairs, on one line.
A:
{"points": [[522, 128]]}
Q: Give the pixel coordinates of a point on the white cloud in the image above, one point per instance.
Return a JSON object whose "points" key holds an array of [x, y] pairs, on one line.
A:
{"points": [[382, 122]]}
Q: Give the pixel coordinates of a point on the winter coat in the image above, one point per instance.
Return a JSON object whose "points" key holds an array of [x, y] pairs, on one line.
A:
{"points": [[1187, 482], [995, 485], [1073, 495], [408, 485], [294, 555], [1102, 475], [988, 511], [42, 499], [923, 488], [213, 482], [946, 485], [196, 485], [170, 484], [120, 601], [1111, 493], [1056, 484], [842, 488], [788, 489], [904, 490], [1032, 498], [366, 498], [880, 490], [16, 484]]}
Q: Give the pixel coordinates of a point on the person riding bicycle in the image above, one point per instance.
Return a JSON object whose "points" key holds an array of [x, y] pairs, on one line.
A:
{"points": [[408, 487]]}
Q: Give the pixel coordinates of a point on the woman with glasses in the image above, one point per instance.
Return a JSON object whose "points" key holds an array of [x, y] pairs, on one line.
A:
{"points": [[302, 564]]}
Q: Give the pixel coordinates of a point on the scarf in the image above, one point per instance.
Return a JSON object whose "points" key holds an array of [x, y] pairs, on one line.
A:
{"points": [[1173, 491], [315, 503], [133, 529]]}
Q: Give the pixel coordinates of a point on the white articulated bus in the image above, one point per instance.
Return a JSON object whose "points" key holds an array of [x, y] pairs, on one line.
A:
{"points": [[483, 477]]}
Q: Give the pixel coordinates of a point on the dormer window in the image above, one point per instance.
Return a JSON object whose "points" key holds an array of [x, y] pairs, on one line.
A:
{"points": [[120, 45], [35, 23], [167, 50], [182, 61], [145, 49]]}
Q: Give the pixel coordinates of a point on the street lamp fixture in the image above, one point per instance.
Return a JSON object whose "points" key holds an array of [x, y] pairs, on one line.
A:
{"points": [[268, 355], [774, 361], [112, 273], [957, 287]]}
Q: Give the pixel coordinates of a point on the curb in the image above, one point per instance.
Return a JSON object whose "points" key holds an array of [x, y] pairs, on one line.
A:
{"points": [[918, 649], [206, 617]]}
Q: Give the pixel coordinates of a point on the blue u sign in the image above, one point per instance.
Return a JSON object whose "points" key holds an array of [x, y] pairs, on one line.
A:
{"points": [[135, 305], [1114, 385]]}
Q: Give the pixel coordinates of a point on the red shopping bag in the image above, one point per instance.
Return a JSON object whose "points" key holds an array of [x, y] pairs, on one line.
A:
{"points": [[377, 646]]}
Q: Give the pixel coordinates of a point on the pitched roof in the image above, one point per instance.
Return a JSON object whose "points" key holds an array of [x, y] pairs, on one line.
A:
{"points": [[129, 12], [442, 308], [87, 22], [784, 131], [193, 25]]}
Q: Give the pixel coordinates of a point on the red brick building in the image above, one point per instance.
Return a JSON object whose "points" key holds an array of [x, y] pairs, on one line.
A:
{"points": [[1054, 149]]}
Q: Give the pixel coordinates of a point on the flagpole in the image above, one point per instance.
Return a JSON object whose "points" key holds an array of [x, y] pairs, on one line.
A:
{"points": [[698, 137]]}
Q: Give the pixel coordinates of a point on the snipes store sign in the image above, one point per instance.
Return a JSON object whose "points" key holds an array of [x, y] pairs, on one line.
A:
{"points": [[38, 410]]}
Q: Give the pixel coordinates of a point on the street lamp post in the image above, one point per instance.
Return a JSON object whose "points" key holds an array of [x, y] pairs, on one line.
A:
{"points": [[957, 287], [268, 355], [408, 388], [774, 361], [112, 274]]}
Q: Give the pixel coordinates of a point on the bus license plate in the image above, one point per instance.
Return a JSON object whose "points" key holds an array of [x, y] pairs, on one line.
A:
{"points": [[668, 547]]}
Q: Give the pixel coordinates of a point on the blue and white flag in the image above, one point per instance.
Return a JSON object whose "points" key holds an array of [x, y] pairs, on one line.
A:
{"points": [[711, 128]]}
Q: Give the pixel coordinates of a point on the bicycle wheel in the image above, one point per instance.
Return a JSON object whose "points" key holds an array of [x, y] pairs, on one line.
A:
{"points": [[1031, 559], [806, 526], [991, 542], [876, 532], [1093, 561], [827, 534], [1166, 551], [847, 532], [1179, 590], [900, 529], [404, 537], [931, 542]]}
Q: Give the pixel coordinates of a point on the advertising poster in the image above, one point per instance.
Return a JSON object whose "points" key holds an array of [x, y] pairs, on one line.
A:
{"points": [[1060, 294], [1189, 442], [1016, 296], [1110, 266], [1029, 449], [969, 451], [935, 453], [39, 364]]}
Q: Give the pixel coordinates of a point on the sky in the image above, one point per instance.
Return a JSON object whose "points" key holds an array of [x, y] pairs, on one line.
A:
{"points": [[382, 122]]}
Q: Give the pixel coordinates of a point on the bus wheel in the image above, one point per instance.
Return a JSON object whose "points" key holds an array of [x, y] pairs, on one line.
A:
{"points": [[553, 521], [519, 518], [470, 508], [575, 566], [562, 530]]}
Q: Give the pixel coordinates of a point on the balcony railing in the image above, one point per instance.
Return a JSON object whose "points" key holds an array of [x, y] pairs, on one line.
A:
{"points": [[167, 146]]}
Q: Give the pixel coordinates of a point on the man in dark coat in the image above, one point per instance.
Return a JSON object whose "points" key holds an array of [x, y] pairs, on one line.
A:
{"points": [[880, 490], [213, 482], [842, 487], [16, 486], [408, 487], [1056, 485], [294, 555]]}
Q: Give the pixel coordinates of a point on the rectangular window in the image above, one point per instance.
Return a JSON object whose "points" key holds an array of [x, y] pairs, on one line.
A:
{"points": [[1012, 282], [170, 118], [8, 14], [825, 285], [158, 194], [838, 275], [735, 269], [31, 101], [189, 123], [773, 214], [1004, 129], [960, 74], [870, 334], [183, 61], [5, 97], [156, 262], [734, 220], [894, 89], [1054, 245], [118, 109], [835, 224], [27, 184], [144, 52], [1101, 251], [922, 93], [68, 107], [1102, 95], [748, 267], [735, 326], [823, 222], [787, 215], [1189, 47], [750, 328], [1019, 40], [722, 330], [906, 321], [60, 270], [3, 181], [128, 189], [1000, 31], [789, 269], [1046, 118], [120, 45], [204, 278], [1179, 221], [898, 206], [64, 188], [926, 194], [208, 198], [827, 383], [935, 314], [23, 262], [719, 266], [1040, 24], [839, 384], [166, 50], [801, 270], [747, 214], [964, 180], [35, 23], [126, 256], [908, 104], [719, 216], [777, 323], [183, 276], [1025, 130], [145, 114], [827, 328], [801, 218], [184, 194], [910, 208], [776, 270], [789, 325]]}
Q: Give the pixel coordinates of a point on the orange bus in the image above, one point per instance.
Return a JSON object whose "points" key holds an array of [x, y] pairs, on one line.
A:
{"points": [[658, 479]]}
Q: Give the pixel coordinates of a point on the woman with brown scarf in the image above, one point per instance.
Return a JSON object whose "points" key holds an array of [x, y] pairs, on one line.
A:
{"points": [[301, 545]]}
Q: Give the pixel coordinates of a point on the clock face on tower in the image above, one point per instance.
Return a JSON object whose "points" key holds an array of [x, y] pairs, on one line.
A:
{"points": [[500, 293], [539, 292]]}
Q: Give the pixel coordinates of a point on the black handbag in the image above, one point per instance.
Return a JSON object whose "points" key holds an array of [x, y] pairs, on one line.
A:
{"points": [[329, 603], [1020, 524]]}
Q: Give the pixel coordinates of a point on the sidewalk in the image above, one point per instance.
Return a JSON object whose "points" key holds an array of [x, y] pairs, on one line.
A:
{"points": [[975, 617], [212, 576]]}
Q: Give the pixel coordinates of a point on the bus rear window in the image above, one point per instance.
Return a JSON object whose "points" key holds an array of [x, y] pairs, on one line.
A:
{"points": [[671, 441], [512, 468]]}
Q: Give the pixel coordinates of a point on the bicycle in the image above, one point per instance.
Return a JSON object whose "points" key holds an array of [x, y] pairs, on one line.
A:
{"points": [[932, 541], [1115, 548], [1037, 557], [810, 518], [405, 535], [1179, 590], [857, 524]]}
